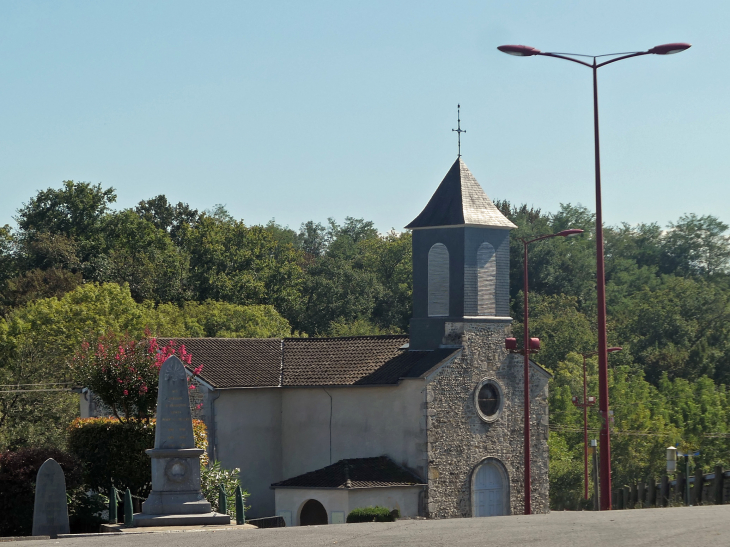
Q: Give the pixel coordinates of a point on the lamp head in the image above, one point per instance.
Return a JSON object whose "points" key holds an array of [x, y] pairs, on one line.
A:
{"points": [[571, 232], [519, 51], [669, 49]]}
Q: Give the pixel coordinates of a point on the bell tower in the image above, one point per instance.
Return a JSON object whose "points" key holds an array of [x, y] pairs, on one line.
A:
{"points": [[460, 260]]}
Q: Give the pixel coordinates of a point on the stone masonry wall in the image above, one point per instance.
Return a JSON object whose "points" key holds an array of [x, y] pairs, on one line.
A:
{"points": [[459, 440]]}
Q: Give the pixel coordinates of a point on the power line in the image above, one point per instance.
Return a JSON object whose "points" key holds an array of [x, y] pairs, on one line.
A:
{"points": [[566, 429]]}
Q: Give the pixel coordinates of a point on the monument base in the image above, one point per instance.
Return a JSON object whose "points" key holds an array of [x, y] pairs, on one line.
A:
{"points": [[142, 519], [175, 503]]}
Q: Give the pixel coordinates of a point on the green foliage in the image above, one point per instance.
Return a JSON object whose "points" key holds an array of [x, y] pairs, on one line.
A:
{"points": [[218, 320], [212, 478], [373, 514], [232, 262], [113, 452], [85, 510], [18, 472]]}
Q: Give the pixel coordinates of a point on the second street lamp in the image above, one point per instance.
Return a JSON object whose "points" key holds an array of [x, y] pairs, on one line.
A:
{"points": [[526, 351], [665, 49]]}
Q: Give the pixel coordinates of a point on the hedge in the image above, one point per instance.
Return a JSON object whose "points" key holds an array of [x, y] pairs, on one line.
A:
{"points": [[373, 514], [113, 452], [18, 471]]}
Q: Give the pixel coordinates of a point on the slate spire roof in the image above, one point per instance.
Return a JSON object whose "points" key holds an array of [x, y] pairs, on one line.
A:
{"points": [[459, 200]]}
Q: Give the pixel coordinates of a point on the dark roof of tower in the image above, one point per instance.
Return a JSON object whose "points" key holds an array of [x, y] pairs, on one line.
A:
{"points": [[355, 473], [294, 362], [460, 200]]}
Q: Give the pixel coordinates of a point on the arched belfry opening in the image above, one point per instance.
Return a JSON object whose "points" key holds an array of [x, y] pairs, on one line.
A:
{"points": [[460, 259], [486, 280], [438, 280]]}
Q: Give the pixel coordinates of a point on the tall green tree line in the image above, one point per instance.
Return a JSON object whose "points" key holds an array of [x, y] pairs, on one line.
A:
{"points": [[74, 264]]}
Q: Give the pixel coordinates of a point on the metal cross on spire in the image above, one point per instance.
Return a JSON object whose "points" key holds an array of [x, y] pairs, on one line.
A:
{"points": [[459, 130]]}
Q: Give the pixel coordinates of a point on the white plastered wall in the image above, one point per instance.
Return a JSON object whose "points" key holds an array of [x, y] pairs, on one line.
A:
{"points": [[365, 422], [248, 436], [273, 434], [289, 501]]}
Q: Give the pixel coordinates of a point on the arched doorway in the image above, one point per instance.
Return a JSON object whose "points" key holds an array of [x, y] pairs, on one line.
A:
{"points": [[313, 513], [490, 490]]}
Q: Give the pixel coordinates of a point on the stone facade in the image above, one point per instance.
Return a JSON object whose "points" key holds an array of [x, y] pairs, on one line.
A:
{"points": [[459, 439]]}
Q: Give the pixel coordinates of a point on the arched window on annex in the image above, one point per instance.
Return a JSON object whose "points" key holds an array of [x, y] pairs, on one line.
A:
{"points": [[312, 513], [438, 280]]}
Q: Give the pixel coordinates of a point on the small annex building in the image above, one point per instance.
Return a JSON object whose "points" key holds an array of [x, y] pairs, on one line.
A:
{"points": [[430, 423]]}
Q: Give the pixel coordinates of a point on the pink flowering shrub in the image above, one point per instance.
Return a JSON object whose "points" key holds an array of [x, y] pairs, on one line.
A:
{"points": [[124, 372]]}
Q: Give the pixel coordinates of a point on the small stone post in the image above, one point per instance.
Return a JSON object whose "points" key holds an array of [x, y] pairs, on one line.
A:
{"points": [[681, 486], [222, 500], [641, 490], [634, 496], [719, 489], [113, 505], [128, 510], [240, 515], [651, 498], [697, 488]]}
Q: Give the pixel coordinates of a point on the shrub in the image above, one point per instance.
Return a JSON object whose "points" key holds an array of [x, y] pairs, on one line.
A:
{"points": [[18, 471], [124, 372], [373, 514], [212, 476], [113, 452]]}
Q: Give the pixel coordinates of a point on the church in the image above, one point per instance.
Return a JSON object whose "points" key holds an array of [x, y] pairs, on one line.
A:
{"points": [[430, 424]]}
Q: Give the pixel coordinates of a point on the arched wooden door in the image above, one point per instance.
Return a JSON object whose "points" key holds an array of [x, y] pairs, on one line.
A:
{"points": [[313, 513], [490, 491]]}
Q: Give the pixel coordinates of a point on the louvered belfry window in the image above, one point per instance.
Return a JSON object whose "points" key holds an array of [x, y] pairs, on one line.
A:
{"points": [[438, 281], [486, 280]]}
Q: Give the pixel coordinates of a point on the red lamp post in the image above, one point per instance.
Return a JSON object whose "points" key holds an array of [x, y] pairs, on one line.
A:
{"points": [[529, 346], [587, 401], [665, 49]]}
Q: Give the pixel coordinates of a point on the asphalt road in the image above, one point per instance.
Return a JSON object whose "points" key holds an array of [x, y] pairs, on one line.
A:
{"points": [[682, 526]]}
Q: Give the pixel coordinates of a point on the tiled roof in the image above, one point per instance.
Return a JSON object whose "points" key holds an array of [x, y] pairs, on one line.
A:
{"points": [[272, 362], [229, 362], [355, 473], [460, 200], [356, 360]]}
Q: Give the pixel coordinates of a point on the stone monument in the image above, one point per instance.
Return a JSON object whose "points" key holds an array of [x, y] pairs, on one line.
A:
{"points": [[175, 499], [50, 512]]}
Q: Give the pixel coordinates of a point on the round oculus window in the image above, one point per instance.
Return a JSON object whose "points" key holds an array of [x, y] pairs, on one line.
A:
{"points": [[489, 400]]}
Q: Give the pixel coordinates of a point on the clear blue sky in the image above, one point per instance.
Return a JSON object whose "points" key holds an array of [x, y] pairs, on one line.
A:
{"points": [[305, 109]]}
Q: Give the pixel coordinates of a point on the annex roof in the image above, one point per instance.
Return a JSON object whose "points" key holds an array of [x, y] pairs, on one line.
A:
{"points": [[354, 473], [292, 362], [458, 201]]}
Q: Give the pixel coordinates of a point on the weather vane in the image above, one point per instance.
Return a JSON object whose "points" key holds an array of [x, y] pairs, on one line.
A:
{"points": [[459, 130]]}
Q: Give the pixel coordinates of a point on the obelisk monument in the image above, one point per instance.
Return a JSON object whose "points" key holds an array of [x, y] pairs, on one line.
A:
{"points": [[175, 499]]}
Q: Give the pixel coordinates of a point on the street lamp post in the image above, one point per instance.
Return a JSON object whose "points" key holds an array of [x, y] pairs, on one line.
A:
{"points": [[666, 49], [587, 401], [526, 352]]}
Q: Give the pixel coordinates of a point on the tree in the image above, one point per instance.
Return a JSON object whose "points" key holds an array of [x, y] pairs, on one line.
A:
{"points": [[75, 211], [232, 262], [124, 372], [144, 256], [173, 219], [696, 246], [217, 320]]}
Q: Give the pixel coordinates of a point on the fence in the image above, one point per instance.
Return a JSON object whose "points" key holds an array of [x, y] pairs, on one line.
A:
{"points": [[704, 489]]}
